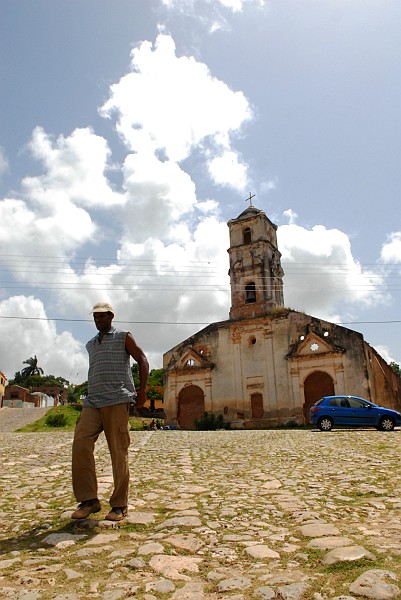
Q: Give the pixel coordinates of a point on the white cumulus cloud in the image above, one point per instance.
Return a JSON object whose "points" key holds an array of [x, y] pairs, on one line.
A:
{"points": [[191, 5], [391, 250], [74, 169], [58, 354], [173, 104], [322, 277], [159, 194], [227, 170]]}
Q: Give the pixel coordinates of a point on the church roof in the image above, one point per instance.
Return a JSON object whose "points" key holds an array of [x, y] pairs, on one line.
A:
{"points": [[250, 211]]}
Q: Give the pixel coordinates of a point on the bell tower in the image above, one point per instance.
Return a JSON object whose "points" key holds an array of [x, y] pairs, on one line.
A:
{"points": [[256, 275]]}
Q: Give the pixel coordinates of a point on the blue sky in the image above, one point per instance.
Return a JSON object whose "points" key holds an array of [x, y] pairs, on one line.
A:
{"points": [[132, 131]]}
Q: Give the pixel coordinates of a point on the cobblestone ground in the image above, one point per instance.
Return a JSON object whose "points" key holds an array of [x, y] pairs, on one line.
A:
{"points": [[284, 514]]}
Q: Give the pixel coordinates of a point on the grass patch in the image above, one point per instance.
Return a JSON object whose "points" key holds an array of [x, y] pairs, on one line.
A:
{"points": [[65, 416], [383, 447], [365, 494], [342, 574], [280, 311], [314, 557], [359, 566], [136, 424]]}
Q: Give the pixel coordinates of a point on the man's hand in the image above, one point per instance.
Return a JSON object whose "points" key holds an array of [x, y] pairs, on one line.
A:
{"points": [[140, 398]]}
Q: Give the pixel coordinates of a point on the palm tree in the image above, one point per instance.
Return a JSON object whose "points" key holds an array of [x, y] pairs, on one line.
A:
{"points": [[32, 369]]}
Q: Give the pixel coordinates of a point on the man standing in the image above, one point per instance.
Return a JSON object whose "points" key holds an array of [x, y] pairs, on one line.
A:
{"points": [[106, 408]]}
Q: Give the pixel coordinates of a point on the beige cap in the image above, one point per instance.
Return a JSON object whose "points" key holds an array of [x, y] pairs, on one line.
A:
{"points": [[102, 307]]}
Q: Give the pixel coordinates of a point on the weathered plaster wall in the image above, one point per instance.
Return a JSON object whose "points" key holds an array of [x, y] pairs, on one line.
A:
{"points": [[272, 356]]}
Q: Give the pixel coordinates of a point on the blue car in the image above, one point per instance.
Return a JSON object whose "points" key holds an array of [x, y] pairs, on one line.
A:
{"points": [[352, 411]]}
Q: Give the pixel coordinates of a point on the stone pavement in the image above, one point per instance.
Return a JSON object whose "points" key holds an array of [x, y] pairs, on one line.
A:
{"points": [[283, 514]]}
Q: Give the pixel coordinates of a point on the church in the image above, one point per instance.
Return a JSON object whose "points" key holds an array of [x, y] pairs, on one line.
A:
{"points": [[267, 364]]}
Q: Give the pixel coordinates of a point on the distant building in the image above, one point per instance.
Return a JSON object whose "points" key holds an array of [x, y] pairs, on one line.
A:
{"points": [[59, 393], [266, 365], [16, 396], [152, 408], [42, 400]]}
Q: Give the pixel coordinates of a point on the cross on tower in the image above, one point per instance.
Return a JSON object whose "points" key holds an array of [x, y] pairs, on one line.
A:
{"points": [[250, 199]]}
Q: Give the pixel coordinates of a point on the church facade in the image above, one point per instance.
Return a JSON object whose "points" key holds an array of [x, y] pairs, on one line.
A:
{"points": [[267, 364]]}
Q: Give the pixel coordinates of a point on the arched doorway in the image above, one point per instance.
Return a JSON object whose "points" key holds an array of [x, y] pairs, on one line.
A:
{"points": [[191, 406], [316, 385]]}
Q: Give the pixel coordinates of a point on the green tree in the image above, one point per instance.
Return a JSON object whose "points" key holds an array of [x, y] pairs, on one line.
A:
{"points": [[155, 377], [77, 392], [396, 368], [38, 381], [32, 368], [154, 389], [17, 379]]}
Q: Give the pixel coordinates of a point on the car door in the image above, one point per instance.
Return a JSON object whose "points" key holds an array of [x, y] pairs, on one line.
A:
{"points": [[360, 415], [341, 411]]}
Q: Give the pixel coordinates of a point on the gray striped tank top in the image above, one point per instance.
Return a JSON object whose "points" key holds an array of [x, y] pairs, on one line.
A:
{"points": [[109, 377]]}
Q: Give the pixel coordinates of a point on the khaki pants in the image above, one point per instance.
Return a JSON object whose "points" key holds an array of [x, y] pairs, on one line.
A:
{"points": [[113, 420]]}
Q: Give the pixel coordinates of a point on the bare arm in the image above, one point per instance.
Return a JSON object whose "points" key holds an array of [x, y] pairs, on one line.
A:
{"points": [[139, 356]]}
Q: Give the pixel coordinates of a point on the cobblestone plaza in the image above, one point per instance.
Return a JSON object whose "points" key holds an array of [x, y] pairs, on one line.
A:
{"points": [[229, 514]]}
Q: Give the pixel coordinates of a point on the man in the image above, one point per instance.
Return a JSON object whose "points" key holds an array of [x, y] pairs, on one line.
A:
{"points": [[106, 408]]}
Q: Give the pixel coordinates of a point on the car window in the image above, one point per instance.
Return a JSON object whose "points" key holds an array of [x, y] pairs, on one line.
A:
{"points": [[338, 401], [318, 402], [354, 403]]}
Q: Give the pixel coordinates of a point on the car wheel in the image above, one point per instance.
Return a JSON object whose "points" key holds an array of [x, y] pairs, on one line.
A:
{"points": [[386, 424], [325, 424]]}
